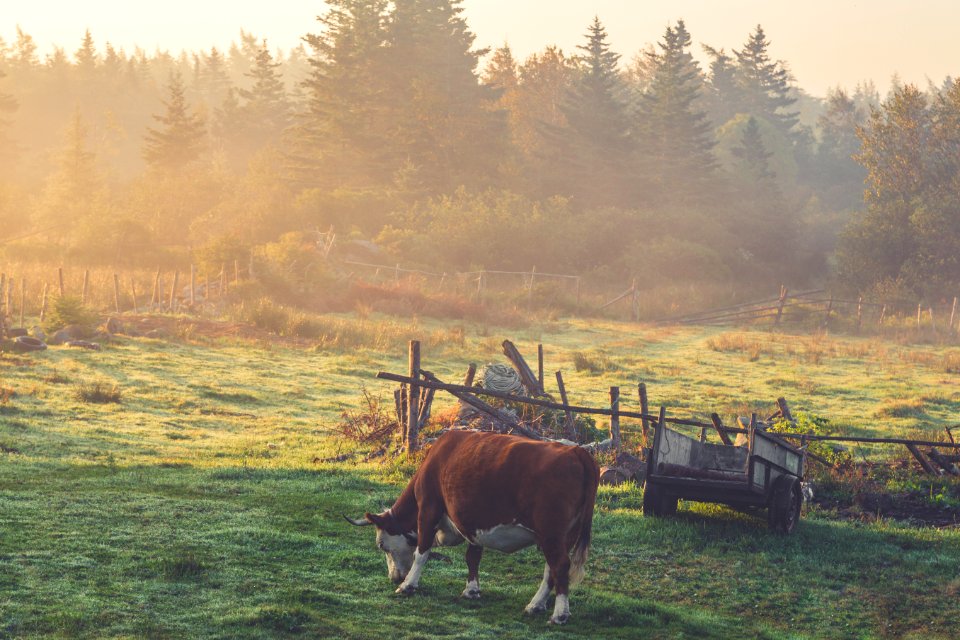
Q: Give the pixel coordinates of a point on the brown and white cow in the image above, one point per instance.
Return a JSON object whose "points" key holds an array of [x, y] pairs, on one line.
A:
{"points": [[497, 492]]}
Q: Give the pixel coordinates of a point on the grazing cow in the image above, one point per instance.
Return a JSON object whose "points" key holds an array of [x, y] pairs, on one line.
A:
{"points": [[497, 492]]}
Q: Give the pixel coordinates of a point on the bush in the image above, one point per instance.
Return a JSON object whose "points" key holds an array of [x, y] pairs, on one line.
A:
{"points": [[69, 310], [811, 424]]}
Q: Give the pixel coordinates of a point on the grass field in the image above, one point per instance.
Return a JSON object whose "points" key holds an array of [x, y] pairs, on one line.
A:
{"points": [[199, 505]]}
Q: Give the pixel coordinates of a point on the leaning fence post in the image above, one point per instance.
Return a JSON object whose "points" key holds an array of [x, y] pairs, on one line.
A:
{"points": [[116, 292], [413, 398], [533, 275], [60, 278], [23, 297], [783, 299], [540, 365], [615, 418], [223, 280], [953, 312], [883, 314], [569, 427], [644, 410], [43, 303], [578, 293]]}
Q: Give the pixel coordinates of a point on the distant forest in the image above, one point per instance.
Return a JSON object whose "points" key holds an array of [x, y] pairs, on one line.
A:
{"points": [[389, 125]]}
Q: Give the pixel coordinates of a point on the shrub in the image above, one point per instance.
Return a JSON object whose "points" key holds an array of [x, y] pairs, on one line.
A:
{"points": [[69, 310], [98, 392], [811, 424]]}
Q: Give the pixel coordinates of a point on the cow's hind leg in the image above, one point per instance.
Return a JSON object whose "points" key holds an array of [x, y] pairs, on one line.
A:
{"points": [[539, 602], [558, 560], [474, 553]]}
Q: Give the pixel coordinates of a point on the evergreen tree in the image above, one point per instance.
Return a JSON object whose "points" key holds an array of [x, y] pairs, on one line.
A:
{"points": [[25, 53], [753, 157], [443, 127], [764, 83], [8, 106], [721, 87], [86, 58], [213, 80], [340, 140], [677, 137], [594, 146], [839, 177], [180, 139]]}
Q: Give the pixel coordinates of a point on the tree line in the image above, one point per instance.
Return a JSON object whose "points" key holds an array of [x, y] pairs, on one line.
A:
{"points": [[389, 124]]}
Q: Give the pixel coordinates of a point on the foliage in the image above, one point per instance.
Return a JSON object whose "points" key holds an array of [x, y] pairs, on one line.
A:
{"points": [[69, 310], [812, 424]]}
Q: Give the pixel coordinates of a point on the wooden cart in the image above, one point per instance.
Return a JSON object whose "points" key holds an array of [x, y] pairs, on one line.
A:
{"points": [[766, 473]]}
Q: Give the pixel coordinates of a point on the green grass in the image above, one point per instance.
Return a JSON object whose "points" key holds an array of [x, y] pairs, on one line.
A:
{"points": [[199, 506]]}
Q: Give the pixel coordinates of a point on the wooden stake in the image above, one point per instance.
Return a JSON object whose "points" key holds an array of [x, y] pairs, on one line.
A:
{"points": [[43, 303], [533, 275], [578, 292], [60, 278], [929, 468], [236, 271], [133, 291], [569, 427], [155, 296], [644, 410], [615, 418], [173, 291], [859, 313], [470, 375], [634, 306], [782, 301], [918, 316], [86, 285], [826, 316], [718, 425], [193, 285], [116, 293], [159, 291], [23, 297], [883, 314], [480, 279], [413, 398], [540, 365], [223, 281], [953, 313]]}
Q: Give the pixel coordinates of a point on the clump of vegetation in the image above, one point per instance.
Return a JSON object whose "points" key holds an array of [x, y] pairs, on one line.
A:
{"points": [[69, 310], [593, 362], [185, 565], [901, 408], [372, 424], [6, 395], [736, 342], [99, 392], [811, 424], [55, 377]]}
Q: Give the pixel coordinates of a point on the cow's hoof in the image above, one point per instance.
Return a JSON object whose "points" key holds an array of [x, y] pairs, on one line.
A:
{"points": [[540, 608], [406, 590], [471, 594], [559, 619]]}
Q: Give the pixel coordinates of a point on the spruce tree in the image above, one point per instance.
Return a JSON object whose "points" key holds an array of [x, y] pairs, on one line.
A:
{"points": [[594, 145], [179, 140], [764, 83], [721, 94], [677, 138], [86, 58]]}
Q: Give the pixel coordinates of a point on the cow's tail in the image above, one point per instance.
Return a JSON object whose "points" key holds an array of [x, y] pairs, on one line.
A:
{"points": [[581, 549]]}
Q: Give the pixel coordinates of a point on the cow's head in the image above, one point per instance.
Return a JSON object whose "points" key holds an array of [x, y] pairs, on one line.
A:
{"points": [[397, 545]]}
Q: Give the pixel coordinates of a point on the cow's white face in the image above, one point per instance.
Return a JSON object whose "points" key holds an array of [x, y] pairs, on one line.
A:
{"points": [[399, 552]]}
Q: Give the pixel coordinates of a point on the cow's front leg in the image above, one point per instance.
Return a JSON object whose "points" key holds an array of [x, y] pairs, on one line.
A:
{"points": [[472, 590], [539, 602], [427, 522]]}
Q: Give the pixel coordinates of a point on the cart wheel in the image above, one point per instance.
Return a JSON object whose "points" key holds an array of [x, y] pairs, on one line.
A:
{"points": [[783, 513], [656, 502]]}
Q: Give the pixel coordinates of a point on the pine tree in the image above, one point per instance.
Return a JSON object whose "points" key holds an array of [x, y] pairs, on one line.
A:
{"points": [[721, 94], [213, 81], [340, 140], [86, 58], [677, 138], [442, 124], [753, 157], [180, 139], [764, 84], [595, 144]]}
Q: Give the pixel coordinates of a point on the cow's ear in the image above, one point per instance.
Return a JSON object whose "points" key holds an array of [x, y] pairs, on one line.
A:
{"points": [[376, 519]]}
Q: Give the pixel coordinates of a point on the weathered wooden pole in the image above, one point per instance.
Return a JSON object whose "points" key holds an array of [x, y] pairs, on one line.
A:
{"points": [[173, 290], [953, 312], [160, 291], [60, 279], [193, 285], [859, 313], [236, 271], [116, 293], [615, 418], [155, 296], [413, 398], [133, 292], [86, 286], [634, 306], [540, 365], [23, 298], [883, 315], [223, 280], [569, 427], [782, 301], [43, 303], [718, 425], [826, 316], [644, 410], [919, 311], [533, 275], [578, 292], [470, 375]]}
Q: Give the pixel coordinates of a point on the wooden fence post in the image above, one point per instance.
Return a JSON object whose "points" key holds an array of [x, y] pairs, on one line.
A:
{"points": [[236, 271], [193, 285], [43, 303], [223, 280], [116, 292], [953, 312], [615, 418], [859, 313], [883, 314], [155, 296], [569, 427], [60, 278], [826, 316], [634, 303], [86, 286], [918, 315], [644, 410], [933, 323], [783, 300], [413, 398], [540, 365], [206, 286], [533, 275], [23, 298], [173, 291], [133, 290]]}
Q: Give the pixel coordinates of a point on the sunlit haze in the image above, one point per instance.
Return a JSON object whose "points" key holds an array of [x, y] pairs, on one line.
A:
{"points": [[826, 43]]}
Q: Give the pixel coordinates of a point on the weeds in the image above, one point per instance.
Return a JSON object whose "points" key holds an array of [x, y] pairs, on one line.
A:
{"points": [[593, 362], [99, 392], [55, 377], [370, 425]]}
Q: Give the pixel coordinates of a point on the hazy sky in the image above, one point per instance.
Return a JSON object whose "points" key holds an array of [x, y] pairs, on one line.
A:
{"points": [[826, 42]]}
